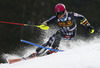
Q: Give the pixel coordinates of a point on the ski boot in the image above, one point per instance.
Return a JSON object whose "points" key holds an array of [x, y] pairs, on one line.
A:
{"points": [[50, 52], [33, 55]]}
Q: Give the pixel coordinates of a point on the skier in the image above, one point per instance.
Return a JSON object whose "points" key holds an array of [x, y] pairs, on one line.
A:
{"points": [[67, 22]]}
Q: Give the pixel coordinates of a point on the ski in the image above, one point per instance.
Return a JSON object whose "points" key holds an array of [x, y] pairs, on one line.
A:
{"points": [[10, 61]]}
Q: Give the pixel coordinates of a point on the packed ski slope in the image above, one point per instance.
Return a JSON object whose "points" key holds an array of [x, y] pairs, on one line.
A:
{"points": [[80, 54]]}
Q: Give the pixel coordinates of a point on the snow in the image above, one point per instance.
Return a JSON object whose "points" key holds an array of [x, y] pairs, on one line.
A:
{"points": [[80, 54]]}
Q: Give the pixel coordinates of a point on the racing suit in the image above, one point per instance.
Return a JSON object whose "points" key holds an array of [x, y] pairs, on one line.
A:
{"points": [[68, 27]]}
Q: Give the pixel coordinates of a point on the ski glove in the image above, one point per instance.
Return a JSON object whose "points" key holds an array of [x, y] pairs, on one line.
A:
{"points": [[91, 29]]}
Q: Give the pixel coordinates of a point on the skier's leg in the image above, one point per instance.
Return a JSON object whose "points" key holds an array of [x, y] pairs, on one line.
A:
{"points": [[53, 41], [50, 42], [56, 42], [41, 50]]}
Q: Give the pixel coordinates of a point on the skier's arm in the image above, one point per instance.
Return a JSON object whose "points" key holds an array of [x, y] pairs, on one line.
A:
{"points": [[50, 21], [45, 24], [84, 22]]}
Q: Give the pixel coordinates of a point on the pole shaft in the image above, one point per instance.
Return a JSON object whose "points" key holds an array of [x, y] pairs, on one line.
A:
{"points": [[11, 23]]}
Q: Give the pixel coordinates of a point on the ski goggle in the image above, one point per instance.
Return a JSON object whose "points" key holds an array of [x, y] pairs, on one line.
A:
{"points": [[60, 13]]}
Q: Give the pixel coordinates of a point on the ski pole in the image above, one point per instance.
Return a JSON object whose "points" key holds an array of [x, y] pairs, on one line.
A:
{"points": [[43, 27], [40, 46], [12, 23]]}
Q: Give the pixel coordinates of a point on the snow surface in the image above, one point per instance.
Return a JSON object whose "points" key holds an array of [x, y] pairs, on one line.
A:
{"points": [[80, 54]]}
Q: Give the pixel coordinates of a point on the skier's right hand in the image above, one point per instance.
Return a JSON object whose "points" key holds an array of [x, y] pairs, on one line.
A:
{"points": [[44, 23]]}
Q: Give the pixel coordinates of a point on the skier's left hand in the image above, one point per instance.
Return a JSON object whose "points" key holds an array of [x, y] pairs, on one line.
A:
{"points": [[91, 29]]}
